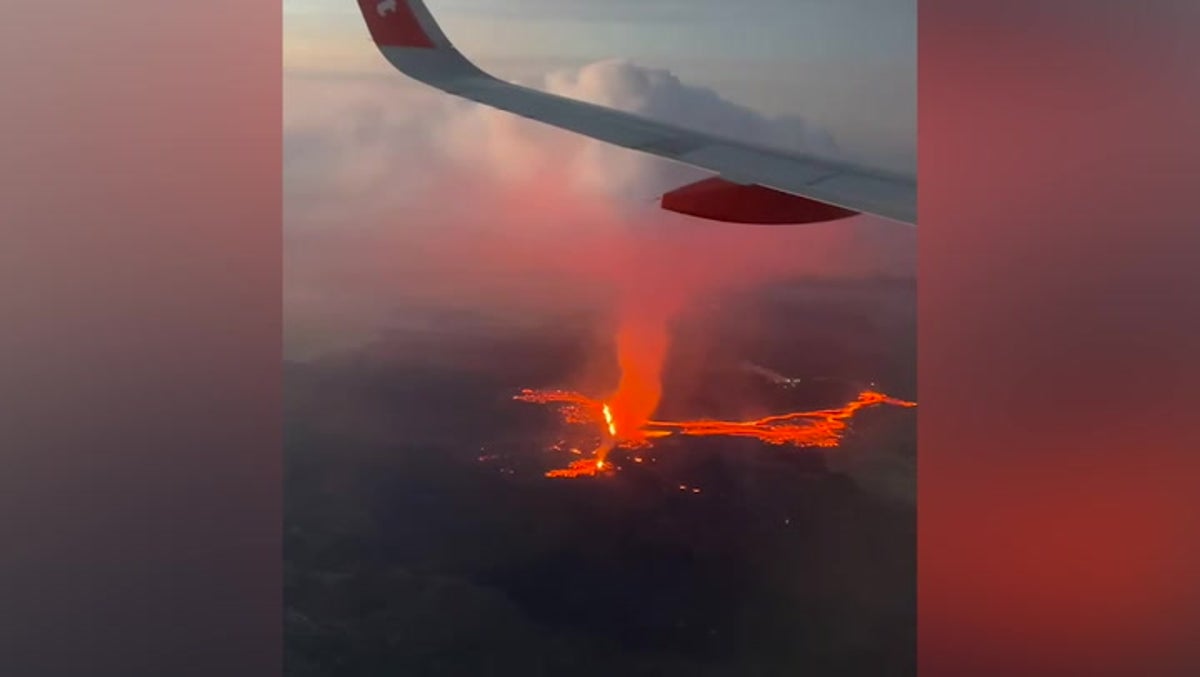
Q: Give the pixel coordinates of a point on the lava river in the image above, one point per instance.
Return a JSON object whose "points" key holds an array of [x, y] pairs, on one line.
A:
{"points": [[817, 428]]}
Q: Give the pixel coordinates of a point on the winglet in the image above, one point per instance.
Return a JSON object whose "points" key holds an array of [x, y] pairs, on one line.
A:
{"points": [[394, 23], [411, 40]]}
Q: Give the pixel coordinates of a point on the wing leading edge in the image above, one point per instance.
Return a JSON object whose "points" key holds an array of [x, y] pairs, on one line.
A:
{"points": [[409, 38]]}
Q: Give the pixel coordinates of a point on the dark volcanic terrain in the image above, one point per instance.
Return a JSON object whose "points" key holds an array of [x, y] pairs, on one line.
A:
{"points": [[422, 538]]}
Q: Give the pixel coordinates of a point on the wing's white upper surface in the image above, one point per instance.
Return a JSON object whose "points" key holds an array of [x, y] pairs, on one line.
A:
{"points": [[444, 67]]}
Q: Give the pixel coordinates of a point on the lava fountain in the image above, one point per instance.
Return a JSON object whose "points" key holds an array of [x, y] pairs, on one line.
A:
{"points": [[641, 351]]}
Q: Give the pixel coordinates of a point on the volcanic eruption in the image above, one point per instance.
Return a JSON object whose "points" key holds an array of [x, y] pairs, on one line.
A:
{"points": [[625, 418]]}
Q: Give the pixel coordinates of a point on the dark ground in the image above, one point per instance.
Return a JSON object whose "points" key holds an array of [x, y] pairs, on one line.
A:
{"points": [[407, 555]]}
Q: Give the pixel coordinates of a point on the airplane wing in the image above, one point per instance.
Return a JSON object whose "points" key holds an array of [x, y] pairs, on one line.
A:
{"points": [[753, 184]]}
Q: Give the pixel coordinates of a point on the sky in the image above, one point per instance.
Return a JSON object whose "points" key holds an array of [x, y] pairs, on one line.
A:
{"points": [[397, 195]]}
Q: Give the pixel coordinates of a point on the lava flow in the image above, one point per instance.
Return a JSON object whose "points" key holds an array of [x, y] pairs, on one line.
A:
{"points": [[818, 428]]}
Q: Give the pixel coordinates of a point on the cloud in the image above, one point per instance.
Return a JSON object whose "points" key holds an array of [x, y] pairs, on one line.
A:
{"points": [[396, 195], [658, 94], [517, 148]]}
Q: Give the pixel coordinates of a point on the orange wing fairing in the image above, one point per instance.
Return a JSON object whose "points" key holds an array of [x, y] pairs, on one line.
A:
{"points": [[719, 200]]}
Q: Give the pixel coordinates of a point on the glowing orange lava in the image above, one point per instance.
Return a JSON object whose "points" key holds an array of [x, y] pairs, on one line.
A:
{"points": [[609, 422], [584, 467], [818, 428]]}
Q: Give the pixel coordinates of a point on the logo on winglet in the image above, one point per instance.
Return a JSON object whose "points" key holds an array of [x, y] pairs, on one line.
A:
{"points": [[393, 24], [386, 7]]}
